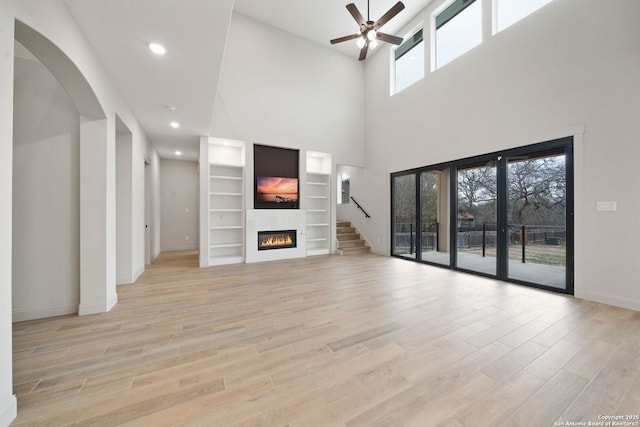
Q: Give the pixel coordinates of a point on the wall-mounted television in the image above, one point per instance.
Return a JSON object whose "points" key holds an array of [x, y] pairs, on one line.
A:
{"points": [[275, 192]]}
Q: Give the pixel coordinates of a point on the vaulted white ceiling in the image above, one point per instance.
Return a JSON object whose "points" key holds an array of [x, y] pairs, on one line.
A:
{"points": [[194, 33]]}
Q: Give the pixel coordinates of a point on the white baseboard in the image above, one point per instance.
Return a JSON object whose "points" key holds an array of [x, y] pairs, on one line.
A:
{"points": [[8, 411], [138, 273], [20, 315], [129, 280], [112, 301], [87, 309], [122, 280], [628, 303], [178, 248]]}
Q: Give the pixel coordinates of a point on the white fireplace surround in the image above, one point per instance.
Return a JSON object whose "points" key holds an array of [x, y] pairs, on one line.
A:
{"points": [[273, 220]]}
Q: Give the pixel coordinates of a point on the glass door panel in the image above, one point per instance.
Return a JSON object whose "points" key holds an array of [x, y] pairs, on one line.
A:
{"points": [[434, 226], [404, 216], [476, 243], [536, 219]]}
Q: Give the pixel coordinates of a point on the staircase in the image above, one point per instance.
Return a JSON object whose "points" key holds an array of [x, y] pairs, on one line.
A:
{"points": [[349, 241]]}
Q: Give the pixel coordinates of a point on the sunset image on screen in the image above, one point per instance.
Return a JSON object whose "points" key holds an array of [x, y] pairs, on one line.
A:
{"points": [[277, 189]]}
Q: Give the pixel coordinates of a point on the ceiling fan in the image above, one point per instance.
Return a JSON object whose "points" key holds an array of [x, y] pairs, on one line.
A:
{"points": [[368, 35]]}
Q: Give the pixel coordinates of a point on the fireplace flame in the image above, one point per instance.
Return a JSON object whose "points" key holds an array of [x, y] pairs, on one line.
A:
{"points": [[276, 241]]}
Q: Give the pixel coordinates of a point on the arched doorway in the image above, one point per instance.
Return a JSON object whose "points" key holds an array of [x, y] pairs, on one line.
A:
{"points": [[87, 192]]}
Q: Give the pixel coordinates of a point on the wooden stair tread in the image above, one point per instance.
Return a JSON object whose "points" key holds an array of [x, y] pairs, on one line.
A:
{"points": [[349, 240]]}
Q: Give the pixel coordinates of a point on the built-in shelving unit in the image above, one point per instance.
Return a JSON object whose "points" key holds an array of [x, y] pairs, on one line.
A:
{"points": [[318, 203], [226, 204]]}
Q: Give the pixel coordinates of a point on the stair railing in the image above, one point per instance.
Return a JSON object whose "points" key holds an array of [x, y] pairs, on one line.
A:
{"points": [[360, 207]]}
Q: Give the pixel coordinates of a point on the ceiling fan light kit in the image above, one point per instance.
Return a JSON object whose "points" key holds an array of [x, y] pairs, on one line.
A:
{"points": [[369, 33]]}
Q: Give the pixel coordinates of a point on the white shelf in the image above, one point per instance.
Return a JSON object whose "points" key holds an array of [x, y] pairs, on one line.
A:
{"points": [[318, 204], [226, 206], [225, 177], [226, 245], [226, 166], [314, 252], [223, 260], [227, 194]]}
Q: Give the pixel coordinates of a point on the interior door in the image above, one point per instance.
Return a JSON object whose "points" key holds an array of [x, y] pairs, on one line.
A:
{"points": [[147, 214]]}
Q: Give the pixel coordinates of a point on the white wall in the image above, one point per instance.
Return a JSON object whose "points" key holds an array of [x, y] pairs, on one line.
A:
{"points": [[156, 200], [179, 204], [8, 404], [277, 89], [124, 205], [359, 189], [52, 19], [46, 206], [571, 65], [130, 206]]}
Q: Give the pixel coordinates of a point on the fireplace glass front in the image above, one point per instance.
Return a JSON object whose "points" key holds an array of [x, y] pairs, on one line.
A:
{"points": [[279, 239]]}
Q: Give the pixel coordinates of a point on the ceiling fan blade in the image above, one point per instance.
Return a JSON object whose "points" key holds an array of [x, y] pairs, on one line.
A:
{"points": [[363, 51], [353, 10], [389, 38], [390, 14], [345, 38]]}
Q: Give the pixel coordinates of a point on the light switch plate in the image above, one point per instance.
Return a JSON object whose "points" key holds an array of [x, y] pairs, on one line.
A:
{"points": [[607, 206]]}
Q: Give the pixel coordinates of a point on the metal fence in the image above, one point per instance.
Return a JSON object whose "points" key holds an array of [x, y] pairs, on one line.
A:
{"points": [[405, 237], [483, 237]]}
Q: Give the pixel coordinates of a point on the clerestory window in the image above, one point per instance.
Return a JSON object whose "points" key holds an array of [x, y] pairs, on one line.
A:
{"points": [[458, 28]]}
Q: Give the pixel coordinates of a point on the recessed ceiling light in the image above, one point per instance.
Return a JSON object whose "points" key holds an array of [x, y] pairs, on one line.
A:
{"points": [[174, 125], [157, 48], [178, 153]]}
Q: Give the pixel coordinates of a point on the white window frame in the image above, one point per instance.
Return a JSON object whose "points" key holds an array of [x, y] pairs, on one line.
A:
{"points": [[434, 41], [392, 58], [495, 12]]}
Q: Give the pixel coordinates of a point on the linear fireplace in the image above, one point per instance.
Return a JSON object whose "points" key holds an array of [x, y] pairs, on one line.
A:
{"points": [[279, 239], [275, 221]]}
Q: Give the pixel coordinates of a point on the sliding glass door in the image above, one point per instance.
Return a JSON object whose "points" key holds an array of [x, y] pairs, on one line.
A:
{"points": [[537, 218], [476, 244], [507, 215], [404, 216], [434, 216]]}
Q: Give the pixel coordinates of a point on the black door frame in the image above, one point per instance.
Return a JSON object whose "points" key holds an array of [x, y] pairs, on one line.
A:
{"points": [[501, 157]]}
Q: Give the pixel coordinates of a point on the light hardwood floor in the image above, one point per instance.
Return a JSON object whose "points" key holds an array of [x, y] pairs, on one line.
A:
{"points": [[362, 340]]}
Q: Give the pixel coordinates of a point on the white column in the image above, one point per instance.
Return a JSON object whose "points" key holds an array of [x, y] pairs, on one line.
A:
{"points": [[204, 201], [124, 209], [97, 217], [8, 404]]}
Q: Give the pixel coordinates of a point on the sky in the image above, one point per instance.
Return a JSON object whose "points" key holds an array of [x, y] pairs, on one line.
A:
{"points": [[277, 185]]}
